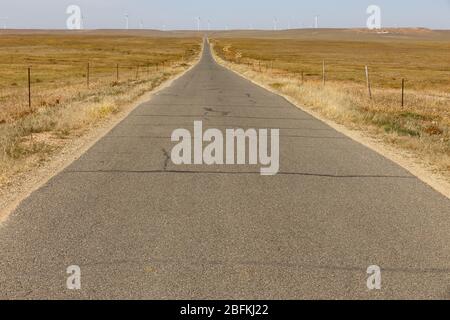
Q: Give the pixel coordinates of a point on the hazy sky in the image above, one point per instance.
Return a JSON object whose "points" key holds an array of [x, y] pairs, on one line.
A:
{"points": [[242, 14]]}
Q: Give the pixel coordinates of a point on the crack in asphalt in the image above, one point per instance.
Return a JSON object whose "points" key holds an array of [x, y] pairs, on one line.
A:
{"points": [[166, 160], [244, 173]]}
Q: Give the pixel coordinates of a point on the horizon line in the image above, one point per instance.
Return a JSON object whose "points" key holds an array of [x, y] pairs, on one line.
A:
{"points": [[225, 30]]}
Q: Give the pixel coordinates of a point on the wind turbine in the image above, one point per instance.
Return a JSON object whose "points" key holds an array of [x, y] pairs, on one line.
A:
{"points": [[199, 20], [5, 20], [209, 25], [316, 22], [141, 24], [275, 23], [127, 21]]}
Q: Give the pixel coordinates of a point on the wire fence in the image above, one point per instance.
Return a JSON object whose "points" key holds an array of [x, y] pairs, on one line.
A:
{"points": [[24, 88], [325, 71]]}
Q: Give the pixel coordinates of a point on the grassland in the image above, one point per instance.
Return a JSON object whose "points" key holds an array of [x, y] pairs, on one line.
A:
{"points": [[63, 106], [291, 63]]}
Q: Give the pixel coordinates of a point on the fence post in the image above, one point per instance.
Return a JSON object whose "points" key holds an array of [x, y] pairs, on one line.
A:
{"points": [[137, 72], [29, 88], [303, 77], [368, 82], [323, 72], [88, 75], [29, 102], [117, 72], [403, 92]]}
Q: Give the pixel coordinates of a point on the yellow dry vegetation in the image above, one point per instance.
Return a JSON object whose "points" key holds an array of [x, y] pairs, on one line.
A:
{"points": [[122, 67], [292, 64]]}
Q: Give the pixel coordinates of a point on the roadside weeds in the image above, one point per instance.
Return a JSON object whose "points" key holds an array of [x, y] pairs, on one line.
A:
{"points": [[425, 156], [61, 135]]}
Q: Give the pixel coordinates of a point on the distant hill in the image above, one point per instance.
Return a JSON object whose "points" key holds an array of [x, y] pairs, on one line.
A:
{"points": [[339, 34], [106, 32]]}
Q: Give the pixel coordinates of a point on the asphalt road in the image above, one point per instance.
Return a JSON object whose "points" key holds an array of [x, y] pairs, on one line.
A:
{"points": [[140, 227]]}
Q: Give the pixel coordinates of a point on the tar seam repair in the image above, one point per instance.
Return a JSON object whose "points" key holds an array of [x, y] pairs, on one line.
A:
{"points": [[229, 148]]}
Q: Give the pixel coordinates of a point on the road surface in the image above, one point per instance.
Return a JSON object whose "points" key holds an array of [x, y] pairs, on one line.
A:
{"points": [[140, 227]]}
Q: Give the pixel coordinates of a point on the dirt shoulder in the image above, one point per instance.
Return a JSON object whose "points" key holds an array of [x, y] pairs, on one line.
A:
{"points": [[408, 160], [25, 183]]}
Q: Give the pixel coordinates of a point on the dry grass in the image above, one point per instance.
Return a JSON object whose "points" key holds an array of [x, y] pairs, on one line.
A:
{"points": [[63, 107], [421, 127]]}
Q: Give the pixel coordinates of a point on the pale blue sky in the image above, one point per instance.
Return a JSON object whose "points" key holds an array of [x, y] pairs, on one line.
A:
{"points": [[236, 14]]}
